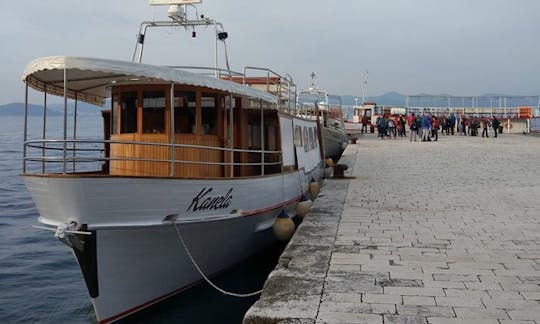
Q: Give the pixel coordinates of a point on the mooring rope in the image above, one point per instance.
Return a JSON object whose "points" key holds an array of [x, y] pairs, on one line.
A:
{"points": [[203, 275]]}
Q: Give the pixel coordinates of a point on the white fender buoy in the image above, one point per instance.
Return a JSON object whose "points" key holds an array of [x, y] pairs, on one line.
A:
{"points": [[314, 189], [303, 207], [283, 227], [328, 172], [329, 167]]}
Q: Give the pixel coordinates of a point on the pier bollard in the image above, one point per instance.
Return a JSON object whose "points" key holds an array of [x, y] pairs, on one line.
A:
{"points": [[339, 170], [314, 188]]}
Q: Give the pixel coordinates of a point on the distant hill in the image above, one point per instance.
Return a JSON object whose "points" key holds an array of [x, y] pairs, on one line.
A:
{"points": [[17, 109]]}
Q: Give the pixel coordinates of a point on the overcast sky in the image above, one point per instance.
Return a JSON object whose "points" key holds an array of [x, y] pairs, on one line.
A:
{"points": [[458, 47]]}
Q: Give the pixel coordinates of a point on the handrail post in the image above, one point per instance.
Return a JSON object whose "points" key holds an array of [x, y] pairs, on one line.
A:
{"points": [[74, 130], [25, 136], [44, 128], [231, 139], [262, 137], [172, 130], [65, 121]]}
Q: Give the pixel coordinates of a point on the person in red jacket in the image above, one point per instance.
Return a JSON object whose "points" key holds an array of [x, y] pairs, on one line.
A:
{"points": [[435, 128], [411, 120]]}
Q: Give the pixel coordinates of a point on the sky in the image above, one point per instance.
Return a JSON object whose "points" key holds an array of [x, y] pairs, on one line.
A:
{"points": [[457, 47]]}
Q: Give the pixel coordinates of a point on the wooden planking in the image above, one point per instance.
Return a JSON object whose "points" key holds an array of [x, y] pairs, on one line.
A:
{"points": [[162, 169], [191, 170], [139, 151]]}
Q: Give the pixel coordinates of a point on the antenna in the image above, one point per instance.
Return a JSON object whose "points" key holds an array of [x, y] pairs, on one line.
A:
{"points": [[313, 84]]}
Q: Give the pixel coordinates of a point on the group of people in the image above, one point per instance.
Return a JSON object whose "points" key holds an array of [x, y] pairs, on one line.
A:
{"points": [[427, 126]]}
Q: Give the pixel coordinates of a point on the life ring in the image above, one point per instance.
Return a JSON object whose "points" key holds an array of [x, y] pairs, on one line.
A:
{"points": [[508, 124]]}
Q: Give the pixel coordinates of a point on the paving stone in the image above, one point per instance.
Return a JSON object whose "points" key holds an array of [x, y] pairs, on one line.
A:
{"points": [[348, 307], [451, 292], [504, 303], [425, 310], [400, 283], [414, 291], [352, 318], [382, 299], [402, 319], [455, 277], [418, 300], [444, 284], [530, 314], [441, 320], [531, 295], [475, 312], [459, 301], [342, 297]]}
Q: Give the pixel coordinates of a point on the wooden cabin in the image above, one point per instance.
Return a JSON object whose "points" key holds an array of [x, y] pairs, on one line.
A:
{"points": [[141, 132]]}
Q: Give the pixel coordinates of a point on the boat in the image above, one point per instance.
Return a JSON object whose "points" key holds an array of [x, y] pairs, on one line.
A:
{"points": [[188, 176], [368, 110], [334, 136]]}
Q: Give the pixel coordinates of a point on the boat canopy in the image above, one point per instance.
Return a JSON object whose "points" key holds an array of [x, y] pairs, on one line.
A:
{"points": [[89, 79]]}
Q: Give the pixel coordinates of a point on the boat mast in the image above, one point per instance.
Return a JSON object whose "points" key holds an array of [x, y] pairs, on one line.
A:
{"points": [[178, 13], [364, 91]]}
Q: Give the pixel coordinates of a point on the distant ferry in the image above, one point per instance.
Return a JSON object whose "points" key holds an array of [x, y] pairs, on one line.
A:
{"points": [[334, 136]]}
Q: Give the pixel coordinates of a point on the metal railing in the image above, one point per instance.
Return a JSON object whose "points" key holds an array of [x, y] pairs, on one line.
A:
{"points": [[284, 88], [208, 71], [54, 152]]}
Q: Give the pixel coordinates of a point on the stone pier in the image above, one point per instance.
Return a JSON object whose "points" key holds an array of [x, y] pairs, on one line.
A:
{"points": [[423, 232]]}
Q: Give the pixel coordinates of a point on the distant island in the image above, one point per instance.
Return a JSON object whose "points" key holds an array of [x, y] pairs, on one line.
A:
{"points": [[17, 109]]}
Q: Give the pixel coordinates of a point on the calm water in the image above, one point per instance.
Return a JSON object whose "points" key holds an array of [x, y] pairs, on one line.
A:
{"points": [[40, 280]]}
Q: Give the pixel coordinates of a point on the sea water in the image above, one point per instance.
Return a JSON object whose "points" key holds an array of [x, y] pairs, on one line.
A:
{"points": [[40, 280]]}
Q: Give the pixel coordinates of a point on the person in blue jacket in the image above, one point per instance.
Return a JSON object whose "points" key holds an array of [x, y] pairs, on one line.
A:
{"points": [[452, 123], [426, 127]]}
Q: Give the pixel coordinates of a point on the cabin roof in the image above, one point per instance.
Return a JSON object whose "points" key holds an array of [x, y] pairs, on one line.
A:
{"points": [[89, 79]]}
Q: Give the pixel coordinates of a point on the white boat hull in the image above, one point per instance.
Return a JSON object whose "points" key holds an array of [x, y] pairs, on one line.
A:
{"points": [[334, 142], [134, 257], [139, 267]]}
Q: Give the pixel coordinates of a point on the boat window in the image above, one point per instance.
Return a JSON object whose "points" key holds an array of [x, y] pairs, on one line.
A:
{"points": [[128, 115], [184, 112], [311, 139], [154, 111], [115, 109], [270, 137], [254, 136], [306, 139], [298, 136], [209, 105]]}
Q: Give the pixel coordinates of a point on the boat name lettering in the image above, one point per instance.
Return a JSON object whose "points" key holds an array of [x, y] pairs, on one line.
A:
{"points": [[204, 202]]}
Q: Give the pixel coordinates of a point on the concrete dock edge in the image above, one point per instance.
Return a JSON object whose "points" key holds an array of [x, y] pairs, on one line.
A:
{"points": [[293, 291]]}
